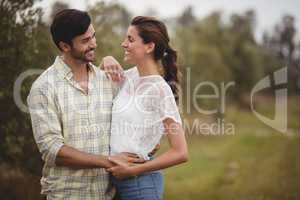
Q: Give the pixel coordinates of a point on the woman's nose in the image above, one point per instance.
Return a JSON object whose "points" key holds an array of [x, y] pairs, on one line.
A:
{"points": [[123, 44]]}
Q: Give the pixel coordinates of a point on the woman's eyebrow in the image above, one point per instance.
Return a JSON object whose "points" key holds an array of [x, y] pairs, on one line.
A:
{"points": [[129, 37]]}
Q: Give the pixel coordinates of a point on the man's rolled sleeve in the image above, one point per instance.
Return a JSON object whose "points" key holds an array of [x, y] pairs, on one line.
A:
{"points": [[46, 124]]}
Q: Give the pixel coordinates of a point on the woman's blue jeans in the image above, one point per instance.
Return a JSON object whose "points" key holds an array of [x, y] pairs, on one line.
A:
{"points": [[147, 186]]}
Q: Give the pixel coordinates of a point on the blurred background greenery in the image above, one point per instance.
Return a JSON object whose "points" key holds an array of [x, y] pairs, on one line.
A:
{"points": [[256, 162]]}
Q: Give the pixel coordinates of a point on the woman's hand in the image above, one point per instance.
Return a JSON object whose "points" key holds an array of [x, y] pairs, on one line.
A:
{"points": [[112, 68], [123, 168]]}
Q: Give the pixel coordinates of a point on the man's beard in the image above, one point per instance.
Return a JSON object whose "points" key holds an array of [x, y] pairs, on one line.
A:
{"points": [[81, 55]]}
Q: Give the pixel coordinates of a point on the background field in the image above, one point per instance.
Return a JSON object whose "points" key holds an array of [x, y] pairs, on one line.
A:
{"points": [[257, 163]]}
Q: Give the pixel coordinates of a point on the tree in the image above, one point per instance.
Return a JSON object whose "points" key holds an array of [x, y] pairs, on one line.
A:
{"points": [[283, 45], [187, 18], [110, 22], [200, 52], [57, 6], [219, 52], [18, 21], [25, 44]]}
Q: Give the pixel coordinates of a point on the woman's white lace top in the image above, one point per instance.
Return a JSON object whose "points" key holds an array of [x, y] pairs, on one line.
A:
{"points": [[139, 109]]}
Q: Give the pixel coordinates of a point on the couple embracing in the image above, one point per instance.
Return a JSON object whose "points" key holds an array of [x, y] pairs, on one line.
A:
{"points": [[96, 128]]}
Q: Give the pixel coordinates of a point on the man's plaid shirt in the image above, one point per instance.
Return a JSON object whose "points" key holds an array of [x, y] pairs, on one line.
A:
{"points": [[62, 113]]}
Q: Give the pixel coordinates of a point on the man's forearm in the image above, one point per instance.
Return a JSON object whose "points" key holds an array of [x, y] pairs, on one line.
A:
{"points": [[71, 157]]}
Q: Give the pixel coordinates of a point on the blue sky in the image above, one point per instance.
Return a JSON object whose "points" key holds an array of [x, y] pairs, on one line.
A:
{"points": [[268, 12]]}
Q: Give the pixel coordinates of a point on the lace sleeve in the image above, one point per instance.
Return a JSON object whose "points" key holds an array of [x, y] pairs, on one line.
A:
{"points": [[167, 104]]}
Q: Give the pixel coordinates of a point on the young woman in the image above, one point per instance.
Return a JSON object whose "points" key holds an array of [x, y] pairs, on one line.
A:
{"points": [[144, 109]]}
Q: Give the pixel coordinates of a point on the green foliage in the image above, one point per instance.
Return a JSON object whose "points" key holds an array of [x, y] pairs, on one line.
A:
{"points": [[218, 52], [110, 22], [281, 43], [24, 45]]}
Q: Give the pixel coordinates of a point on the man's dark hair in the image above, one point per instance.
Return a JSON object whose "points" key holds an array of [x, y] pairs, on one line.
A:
{"points": [[68, 24]]}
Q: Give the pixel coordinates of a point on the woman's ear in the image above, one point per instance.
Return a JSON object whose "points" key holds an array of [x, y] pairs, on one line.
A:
{"points": [[150, 47]]}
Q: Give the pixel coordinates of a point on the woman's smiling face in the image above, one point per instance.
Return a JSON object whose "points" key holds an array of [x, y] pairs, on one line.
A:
{"points": [[134, 46]]}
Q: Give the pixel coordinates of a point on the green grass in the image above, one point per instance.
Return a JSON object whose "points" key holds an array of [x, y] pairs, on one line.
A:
{"points": [[256, 163]]}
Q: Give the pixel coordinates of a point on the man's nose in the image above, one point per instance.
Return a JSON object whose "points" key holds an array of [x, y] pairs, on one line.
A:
{"points": [[93, 43]]}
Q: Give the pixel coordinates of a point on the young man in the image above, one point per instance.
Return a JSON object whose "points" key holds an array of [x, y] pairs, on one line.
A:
{"points": [[70, 107]]}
